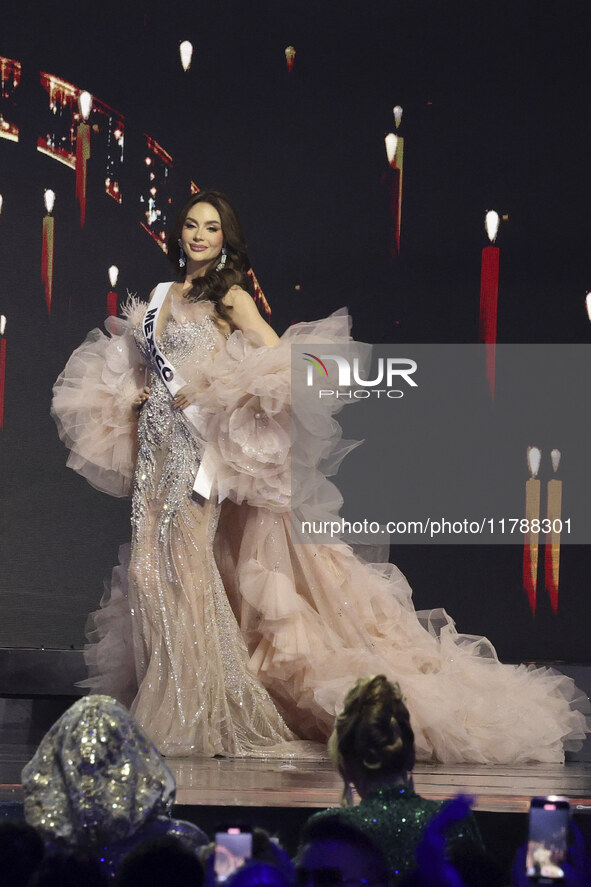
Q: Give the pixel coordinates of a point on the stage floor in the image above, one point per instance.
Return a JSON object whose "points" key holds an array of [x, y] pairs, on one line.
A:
{"points": [[271, 783]]}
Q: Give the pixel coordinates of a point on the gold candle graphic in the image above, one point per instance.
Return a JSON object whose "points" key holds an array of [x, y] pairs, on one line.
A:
{"points": [[112, 297], [531, 537], [186, 54], [554, 518], [83, 152], [395, 154], [47, 246]]}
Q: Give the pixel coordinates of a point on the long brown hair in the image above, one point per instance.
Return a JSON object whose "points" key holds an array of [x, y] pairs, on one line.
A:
{"points": [[214, 285]]}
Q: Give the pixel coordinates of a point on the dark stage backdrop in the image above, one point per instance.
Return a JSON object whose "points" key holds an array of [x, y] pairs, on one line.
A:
{"points": [[495, 117]]}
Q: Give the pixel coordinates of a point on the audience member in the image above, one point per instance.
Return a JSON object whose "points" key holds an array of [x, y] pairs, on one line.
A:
{"points": [[98, 784], [21, 852], [160, 862], [259, 874], [68, 868], [373, 747], [335, 853]]}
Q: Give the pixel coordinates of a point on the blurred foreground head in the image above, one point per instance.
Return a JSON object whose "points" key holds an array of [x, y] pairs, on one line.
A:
{"points": [[372, 739], [335, 853], [96, 778]]}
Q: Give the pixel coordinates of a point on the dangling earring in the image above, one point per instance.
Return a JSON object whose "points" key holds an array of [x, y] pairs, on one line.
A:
{"points": [[222, 262], [182, 257]]}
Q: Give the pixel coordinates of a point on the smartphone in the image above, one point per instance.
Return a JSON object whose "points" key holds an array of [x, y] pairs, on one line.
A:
{"points": [[547, 840], [233, 847]]}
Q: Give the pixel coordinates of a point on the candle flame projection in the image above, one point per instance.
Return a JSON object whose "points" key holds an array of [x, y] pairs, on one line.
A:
{"points": [[47, 247], [83, 152], [290, 54], [397, 112], [395, 154], [186, 54], [531, 538], [552, 550], [112, 303], [1, 203], [10, 78], [588, 305], [2, 366], [489, 296]]}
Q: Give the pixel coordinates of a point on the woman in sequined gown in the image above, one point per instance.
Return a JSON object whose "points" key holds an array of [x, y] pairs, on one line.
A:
{"points": [[223, 633]]}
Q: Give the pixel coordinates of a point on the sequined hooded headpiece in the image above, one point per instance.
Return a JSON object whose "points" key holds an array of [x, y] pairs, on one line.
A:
{"points": [[96, 778]]}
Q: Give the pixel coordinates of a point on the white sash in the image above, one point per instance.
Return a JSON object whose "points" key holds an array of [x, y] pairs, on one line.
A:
{"points": [[174, 382]]}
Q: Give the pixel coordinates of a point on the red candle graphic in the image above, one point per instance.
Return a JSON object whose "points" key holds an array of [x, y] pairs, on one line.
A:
{"points": [[489, 294], [554, 517], [186, 54], [83, 152], [290, 55], [531, 537], [395, 155], [47, 246], [2, 366], [112, 303]]}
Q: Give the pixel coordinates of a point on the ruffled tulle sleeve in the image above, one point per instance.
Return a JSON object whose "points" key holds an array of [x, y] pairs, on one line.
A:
{"points": [[92, 404], [248, 420]]}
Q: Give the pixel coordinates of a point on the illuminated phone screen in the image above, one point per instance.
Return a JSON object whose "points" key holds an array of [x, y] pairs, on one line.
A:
{"points": [[547, 842], [233, 848]]}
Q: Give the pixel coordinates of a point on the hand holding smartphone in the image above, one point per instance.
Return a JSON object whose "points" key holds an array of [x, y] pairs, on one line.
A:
{"points": [[233, 847], [547, 844]]}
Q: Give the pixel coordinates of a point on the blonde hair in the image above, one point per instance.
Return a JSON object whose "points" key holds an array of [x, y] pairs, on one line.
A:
{"points": [[373, 730]]}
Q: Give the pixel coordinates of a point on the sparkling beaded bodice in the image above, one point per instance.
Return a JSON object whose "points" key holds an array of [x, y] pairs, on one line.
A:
{"points": [[167, 444], [181, 341]]}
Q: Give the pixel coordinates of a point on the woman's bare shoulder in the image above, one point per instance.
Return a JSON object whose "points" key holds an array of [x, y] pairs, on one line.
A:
{"points": [[236, 297]]}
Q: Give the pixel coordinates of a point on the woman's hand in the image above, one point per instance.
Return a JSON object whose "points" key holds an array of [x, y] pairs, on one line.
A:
{"points": [[185, 396], [141, 399]]}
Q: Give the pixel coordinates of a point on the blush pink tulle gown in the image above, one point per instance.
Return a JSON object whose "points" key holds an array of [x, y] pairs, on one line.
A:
{"points": [[221, 632]]}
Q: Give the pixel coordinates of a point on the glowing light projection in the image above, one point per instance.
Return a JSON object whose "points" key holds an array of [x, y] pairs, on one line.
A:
{"points": [[489, 297], [155, 194], [290, 54], [47, 247], [112, 297], [82, 151], [10, 78], [186, 54], [531, 538], [59, 139], [114, 150], [66, 121], [588, 305], [395, 154], [491, 224], [1, 203], [554, 522], [397, 113]]}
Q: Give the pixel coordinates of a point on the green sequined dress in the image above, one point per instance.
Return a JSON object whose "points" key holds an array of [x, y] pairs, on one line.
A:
{"points": [[394, 818]]}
